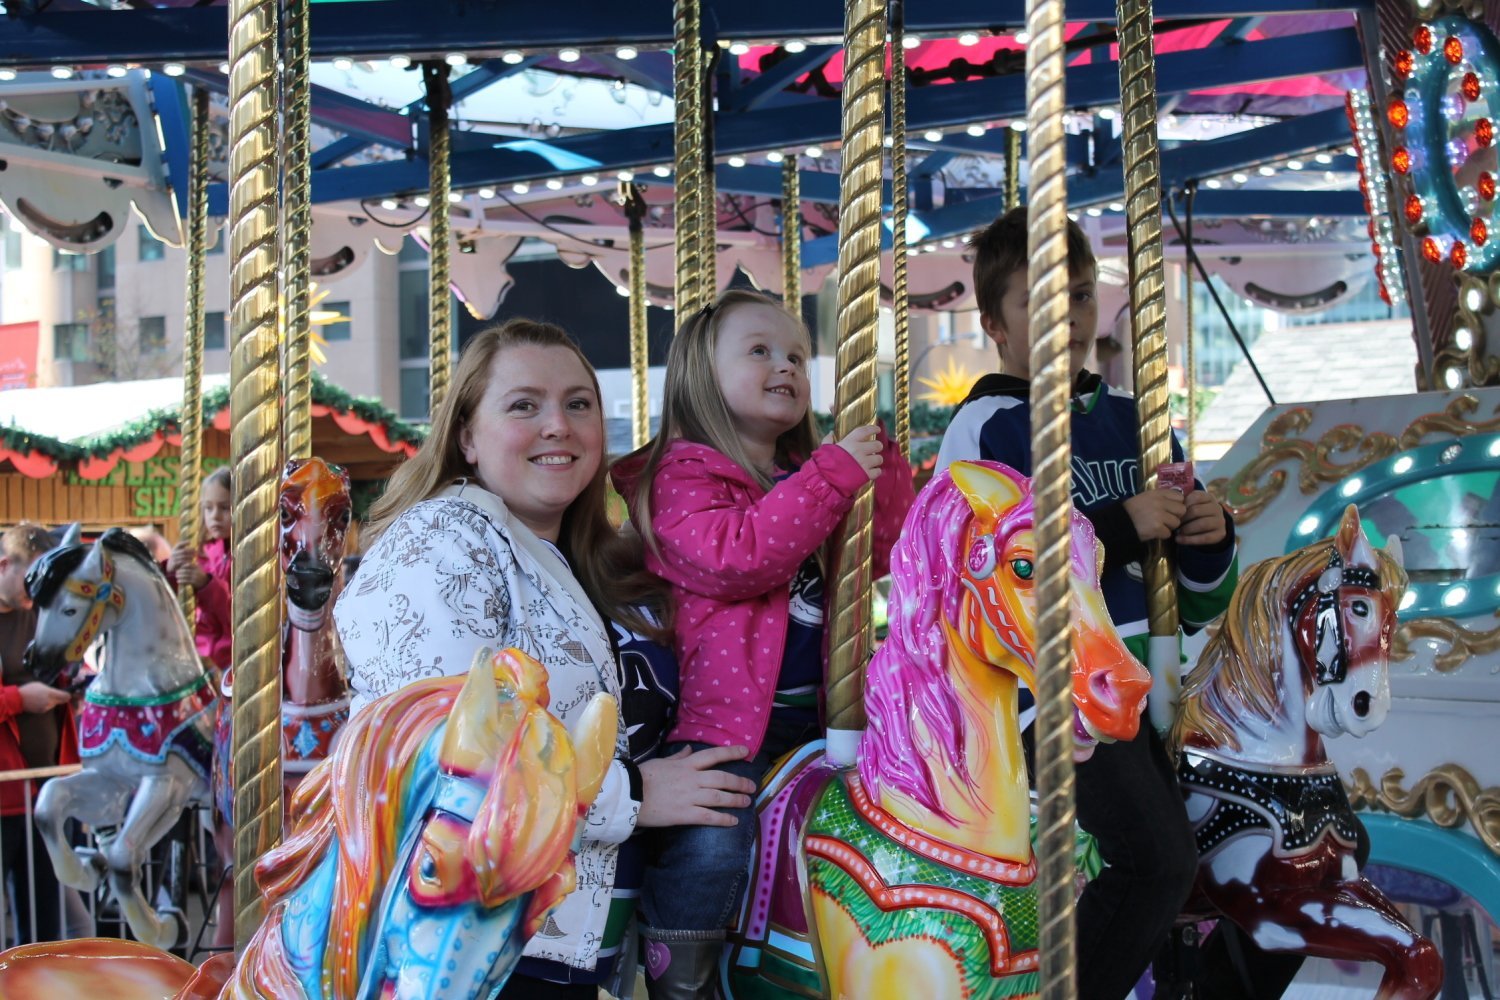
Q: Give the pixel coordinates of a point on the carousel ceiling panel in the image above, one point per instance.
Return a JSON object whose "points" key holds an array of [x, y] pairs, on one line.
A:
{"points": [[79, 156], [477, 269]]}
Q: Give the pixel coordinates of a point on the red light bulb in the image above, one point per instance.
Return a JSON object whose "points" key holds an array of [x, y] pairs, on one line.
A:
{"points": [[1453, 50], [1430, 250], [1403, 63], [1459, 255], [1398, 112], [1470, 86], [1486, 185], [1479, 232], [1422, 39], [1484, 132], [1401, 160], [1413, 209]]}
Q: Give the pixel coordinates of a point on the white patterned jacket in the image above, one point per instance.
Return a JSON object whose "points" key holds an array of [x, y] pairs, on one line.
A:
{"points": [[453, 574]]}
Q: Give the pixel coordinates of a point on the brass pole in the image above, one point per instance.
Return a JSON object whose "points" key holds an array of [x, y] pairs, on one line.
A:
{"points": [[635, 211], [1190, 362], [255, 446], [687, 91], [1148, 308], [440, 298], [860, 184], [1051, 485], [296, 274], [189, 521], [791, 235], [901, 304], [1012, 168], [708, 199]]}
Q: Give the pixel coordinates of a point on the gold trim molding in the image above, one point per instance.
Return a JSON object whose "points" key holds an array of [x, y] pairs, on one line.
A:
{"points": [[1461, 642], [1251, 489], [1447, 795]]}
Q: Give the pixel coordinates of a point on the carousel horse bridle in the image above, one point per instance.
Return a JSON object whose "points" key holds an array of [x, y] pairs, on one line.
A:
{"points": [[1313, 613], [101, 597]]}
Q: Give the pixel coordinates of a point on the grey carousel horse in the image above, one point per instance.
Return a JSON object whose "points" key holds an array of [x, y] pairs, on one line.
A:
{"points": [[145, 733]]}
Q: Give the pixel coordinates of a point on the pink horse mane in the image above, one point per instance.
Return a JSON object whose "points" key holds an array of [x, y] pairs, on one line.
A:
{"points": [[908, 677]]}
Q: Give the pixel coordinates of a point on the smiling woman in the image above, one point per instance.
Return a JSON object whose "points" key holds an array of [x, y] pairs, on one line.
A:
{"points": [[495, 534]]}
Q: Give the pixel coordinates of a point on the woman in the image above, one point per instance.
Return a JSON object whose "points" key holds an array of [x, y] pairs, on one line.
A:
{"points": [[495, 534]]}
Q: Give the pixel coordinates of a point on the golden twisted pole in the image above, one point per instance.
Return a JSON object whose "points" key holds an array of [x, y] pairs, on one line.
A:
{"points": [[708, 199], [440, 298], [1190, 362], [1051, 486], [1148, 308], [255, 446], [635, 211], [191, 418], [1012, 168], [687, 92], [899, 210], [791, 235], [854, 399], [296, 274]]}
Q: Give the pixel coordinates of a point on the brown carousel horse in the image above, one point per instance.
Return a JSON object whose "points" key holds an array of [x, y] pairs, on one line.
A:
{"points": [[1301, 654]]}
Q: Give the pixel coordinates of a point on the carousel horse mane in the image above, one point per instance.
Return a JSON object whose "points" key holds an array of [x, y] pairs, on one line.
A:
{"points": [[1240, 672], [351, 799], [908, 679], [48, 572]]}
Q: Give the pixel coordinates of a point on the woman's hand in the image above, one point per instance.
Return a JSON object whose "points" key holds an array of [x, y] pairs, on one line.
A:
{"points": [[687, 789]]}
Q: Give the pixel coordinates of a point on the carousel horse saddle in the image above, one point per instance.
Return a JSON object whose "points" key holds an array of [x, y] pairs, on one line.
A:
{"points": [[1295, 808], [149, 729]]}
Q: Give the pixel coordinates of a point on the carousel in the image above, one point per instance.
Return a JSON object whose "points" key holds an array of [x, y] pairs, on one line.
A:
{"points": [[1349, 686]]}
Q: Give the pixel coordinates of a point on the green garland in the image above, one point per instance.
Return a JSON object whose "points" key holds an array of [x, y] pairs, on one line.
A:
{"points": [[24, 443]]}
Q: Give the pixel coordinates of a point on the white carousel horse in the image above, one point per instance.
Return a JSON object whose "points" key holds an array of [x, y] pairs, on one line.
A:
{"points": [[146, 728]]}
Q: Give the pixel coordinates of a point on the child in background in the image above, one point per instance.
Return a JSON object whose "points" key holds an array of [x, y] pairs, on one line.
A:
{"points": [[736, 501], [207, 571]]}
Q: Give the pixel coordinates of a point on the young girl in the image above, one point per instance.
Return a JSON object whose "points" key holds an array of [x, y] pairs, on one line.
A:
{"points": [[207, 571], [736, 500]]}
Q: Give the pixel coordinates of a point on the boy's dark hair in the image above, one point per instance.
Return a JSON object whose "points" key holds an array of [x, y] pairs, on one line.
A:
{"points": [[1000, 251]]}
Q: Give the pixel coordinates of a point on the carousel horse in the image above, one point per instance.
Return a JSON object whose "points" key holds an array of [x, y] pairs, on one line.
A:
{"points": [[912, 875], [315, 513], [1300, 655], [146, 727], [424, 853]]}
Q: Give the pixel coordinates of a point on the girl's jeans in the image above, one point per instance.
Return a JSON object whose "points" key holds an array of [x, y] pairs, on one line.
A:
{"points": [[695, 875]]}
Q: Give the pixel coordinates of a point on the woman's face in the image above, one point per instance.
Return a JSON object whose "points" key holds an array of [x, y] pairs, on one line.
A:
{"points": [[537, 437], [215, 503]]}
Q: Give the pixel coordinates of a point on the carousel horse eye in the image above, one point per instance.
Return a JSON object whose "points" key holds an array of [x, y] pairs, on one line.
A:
{"points": [[1022, 568], [69, 612], [287, 517], [1361, 609], [428, 868]]}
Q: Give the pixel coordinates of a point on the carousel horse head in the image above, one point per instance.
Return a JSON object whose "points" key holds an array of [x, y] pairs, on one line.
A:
{"points": [[81, 591], [963, 616], [315, 514], [433, 843], [1306, 640]]}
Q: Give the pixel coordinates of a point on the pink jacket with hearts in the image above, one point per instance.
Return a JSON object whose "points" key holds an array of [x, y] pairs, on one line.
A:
{"points": [[730, 551]]}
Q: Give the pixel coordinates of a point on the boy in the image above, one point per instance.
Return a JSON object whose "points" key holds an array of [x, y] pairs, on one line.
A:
{"points": [[1127, 792]]}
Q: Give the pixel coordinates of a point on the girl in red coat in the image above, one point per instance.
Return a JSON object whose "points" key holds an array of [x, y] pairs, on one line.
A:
{"points": [[736, 501], [207, 571]]}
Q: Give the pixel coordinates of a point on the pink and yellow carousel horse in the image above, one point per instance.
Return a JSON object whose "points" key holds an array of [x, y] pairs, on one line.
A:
{"points": [[1301, 655], [913, 874], [423, 855]]}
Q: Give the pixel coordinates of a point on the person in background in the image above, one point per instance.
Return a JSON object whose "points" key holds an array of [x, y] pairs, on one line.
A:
{"points": [[207, 571]]}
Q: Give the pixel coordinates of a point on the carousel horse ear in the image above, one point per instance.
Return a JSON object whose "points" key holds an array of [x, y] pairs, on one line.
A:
{"points": [[990, 493], [1393, 549], [72, 536], [594, 746], [484, 717], [1351, 542]]}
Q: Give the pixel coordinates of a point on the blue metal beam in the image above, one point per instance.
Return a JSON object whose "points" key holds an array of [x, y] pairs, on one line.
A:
{"points": [[1192, 161], [382, 27], [928, 107], [334, 109], [773, 80]]}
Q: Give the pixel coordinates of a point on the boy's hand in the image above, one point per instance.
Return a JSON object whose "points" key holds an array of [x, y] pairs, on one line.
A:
{"points": [[863, 443], [1156, 514], [1203, 522]]}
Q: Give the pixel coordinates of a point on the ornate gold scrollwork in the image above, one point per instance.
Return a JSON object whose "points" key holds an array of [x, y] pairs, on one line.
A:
{"points": [[1454, 420], [1447, 795], [1247, 495], [1462, 643]]}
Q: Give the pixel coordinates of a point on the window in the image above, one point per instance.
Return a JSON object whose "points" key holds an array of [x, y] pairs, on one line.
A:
{"points": [[12, 248], [153, 334], [213, 331], [63, 260], [412, 252], [340, 330], [70, 341], [151, 247], [412, 292], [414, 399], [106, 258]]}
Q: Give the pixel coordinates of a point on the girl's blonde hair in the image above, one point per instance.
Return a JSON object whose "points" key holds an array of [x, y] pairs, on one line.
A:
{"points": [[694, 409], [608, 565]]}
